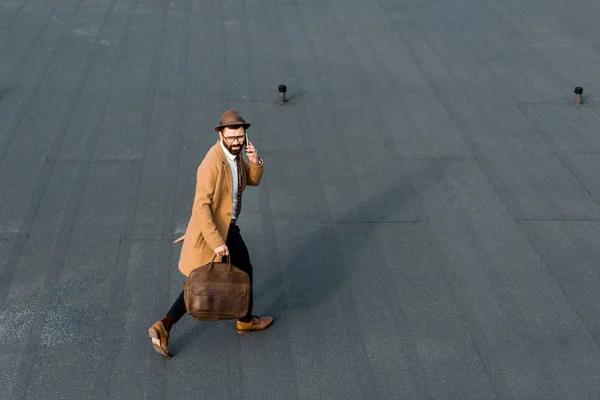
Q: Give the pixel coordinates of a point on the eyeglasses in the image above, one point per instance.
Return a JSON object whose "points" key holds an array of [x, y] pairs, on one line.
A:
{"points": [[231, 139]]}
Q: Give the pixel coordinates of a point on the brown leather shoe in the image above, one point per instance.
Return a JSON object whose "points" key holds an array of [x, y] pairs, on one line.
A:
{"points": [[160, 339], [257, 324]]}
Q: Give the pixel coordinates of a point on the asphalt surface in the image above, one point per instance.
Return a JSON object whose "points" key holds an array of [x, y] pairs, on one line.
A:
{"points": [[427, 226]]}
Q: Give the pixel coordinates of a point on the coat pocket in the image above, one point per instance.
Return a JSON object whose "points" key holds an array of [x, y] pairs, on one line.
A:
{"points": [[199, 241]]}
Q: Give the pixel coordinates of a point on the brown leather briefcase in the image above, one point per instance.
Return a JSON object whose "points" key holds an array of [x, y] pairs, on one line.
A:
{"points": [[217, 291]]}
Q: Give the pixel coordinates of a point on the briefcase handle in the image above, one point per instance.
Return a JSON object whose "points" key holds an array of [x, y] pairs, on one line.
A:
{"points": [[210, 267]]}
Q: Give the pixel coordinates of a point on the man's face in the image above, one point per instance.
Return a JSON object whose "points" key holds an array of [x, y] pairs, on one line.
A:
{"points": [[233, 139]]}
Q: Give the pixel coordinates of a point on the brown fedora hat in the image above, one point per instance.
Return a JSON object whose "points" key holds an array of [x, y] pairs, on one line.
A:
{"points": [[232, 118]]}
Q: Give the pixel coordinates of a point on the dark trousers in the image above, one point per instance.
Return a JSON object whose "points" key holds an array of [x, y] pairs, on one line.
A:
{"points": [[239, 258]]}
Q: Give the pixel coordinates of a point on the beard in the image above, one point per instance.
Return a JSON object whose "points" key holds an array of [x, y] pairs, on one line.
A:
{"points": [[234, 149]]}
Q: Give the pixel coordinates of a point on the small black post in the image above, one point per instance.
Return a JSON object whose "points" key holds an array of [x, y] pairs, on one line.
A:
{"points": [[282, 90], [578, 92]]}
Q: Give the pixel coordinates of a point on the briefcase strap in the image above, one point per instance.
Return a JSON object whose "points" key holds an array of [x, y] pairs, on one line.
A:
{"points": [[228, 262]]}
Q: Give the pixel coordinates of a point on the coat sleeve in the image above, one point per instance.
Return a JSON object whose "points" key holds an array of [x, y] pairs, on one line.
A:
{"points": [[255, 173], [206, 180]]}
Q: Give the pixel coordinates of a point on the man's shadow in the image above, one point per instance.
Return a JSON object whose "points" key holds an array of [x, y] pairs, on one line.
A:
{"points": [[316, 269]]}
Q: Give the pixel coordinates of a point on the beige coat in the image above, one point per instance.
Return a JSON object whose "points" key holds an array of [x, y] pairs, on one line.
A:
{"points": [[213, 205]]}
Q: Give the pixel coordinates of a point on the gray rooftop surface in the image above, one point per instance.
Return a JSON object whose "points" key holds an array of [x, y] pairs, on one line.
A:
{"points": [[427, 227]]}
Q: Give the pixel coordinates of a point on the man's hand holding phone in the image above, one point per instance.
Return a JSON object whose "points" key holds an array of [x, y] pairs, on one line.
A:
{"points": [[251, 152]]}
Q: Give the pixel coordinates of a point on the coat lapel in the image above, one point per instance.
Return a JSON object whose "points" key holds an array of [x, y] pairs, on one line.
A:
{"points": [[228, 176], [244, 174]]}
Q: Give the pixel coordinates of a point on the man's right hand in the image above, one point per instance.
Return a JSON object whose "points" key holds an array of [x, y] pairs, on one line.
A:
{"points": [[222, 250]]}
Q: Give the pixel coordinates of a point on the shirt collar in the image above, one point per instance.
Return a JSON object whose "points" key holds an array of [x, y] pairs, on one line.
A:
{"points": [[230, 156]]}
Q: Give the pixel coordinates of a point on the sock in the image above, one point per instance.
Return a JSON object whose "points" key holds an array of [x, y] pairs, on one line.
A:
{"points": [[168, 322]]}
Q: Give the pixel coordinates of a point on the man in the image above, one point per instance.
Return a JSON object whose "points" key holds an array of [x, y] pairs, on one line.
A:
{"points": [[212, 230]]}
